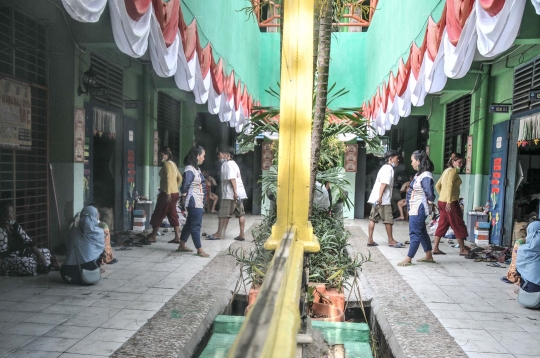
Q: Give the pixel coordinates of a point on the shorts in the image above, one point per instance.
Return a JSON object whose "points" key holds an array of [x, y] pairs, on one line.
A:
{"points": [[229, 207], [382, 212]]}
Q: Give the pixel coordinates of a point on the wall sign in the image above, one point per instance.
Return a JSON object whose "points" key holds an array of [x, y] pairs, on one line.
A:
{"points": [[132, 104], [15, 114], [79, 135], [267, 155], [156, 141], [468, 159], [501, 108], [351, 156]]}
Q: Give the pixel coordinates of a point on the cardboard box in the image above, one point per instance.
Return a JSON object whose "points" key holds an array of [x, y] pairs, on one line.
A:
{"points": [[139, 220], [481, 242]]}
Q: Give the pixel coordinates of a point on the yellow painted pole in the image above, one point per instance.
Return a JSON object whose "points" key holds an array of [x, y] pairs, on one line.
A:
{"points": [[295, 126]]}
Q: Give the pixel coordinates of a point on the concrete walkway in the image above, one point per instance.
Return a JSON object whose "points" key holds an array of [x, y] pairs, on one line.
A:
{"points": [[478, 310], [43, 317]]}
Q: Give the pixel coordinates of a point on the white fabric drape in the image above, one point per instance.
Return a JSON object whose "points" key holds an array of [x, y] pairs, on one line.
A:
{"points": [[202, 85], [435, 78], [496, 34], [85, 10], [536, 4], [185, 72], [418, 92], [131, 36], [458, 59], [214, 100], [164, 60]]}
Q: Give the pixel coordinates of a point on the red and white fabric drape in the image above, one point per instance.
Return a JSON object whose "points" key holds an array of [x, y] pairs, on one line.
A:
{"points": [[175, 50], [484, 28]]}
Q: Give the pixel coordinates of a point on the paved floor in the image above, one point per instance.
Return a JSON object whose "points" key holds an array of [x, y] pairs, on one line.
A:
{"points": [[468, 298], [43, 317]]}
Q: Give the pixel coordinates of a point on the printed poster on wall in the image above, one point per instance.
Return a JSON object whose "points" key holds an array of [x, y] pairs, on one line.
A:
{"points": [[156, 142], [15, 114], [468, 162], [351, 154], [79, 135]]}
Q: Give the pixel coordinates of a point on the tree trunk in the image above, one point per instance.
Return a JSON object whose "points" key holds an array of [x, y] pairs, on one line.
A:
{"points": [[321, 92]]}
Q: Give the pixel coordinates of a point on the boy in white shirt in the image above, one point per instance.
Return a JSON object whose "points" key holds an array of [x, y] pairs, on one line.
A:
{"points": [[233, 192], [381, 196]]}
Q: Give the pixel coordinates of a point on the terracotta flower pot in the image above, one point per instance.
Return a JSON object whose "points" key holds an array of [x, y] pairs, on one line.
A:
{"points": [[334, 314], [337, 298], [252, 295]]}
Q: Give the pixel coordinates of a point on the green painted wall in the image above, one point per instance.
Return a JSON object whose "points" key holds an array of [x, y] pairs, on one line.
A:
{"points": [[269, 74], [348, 68], [396, 24], [233, 36]]}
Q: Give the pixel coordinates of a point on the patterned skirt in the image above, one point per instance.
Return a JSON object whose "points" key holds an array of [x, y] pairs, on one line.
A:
{"points": [[16, 265]]}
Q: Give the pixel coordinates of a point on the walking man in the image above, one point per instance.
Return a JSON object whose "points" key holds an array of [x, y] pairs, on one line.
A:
{"points": [[233, 193], [380, 198]]}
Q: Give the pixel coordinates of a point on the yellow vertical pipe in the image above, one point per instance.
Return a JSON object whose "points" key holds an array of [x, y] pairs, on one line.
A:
{"points": [[295, 125]]}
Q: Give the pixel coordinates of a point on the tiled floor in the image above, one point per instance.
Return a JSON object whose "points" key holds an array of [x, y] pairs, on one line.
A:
{"points": [[43, 317], [468, 298]]}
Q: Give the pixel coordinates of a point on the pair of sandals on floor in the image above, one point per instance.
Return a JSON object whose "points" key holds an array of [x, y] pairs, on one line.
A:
{"points": [[398, 245]]}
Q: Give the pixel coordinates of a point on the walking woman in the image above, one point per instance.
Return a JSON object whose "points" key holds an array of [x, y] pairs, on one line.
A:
{"points": [[194, 189], [419, 197], [450, 211], [170, 180]]}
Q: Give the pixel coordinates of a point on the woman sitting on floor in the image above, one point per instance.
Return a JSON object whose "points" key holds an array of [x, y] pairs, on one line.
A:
{"points": [[84, 246], [528, 259], [18, 254]]}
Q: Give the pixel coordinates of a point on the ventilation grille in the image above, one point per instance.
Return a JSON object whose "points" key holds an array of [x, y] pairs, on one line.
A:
{"points": [[458, 118], [111, 77], [169, 123], [526, 78], [22, 47]]}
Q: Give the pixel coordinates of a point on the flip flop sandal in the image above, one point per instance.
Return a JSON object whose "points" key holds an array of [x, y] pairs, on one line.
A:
{"points": [[238, 238], [405, 264], [125, 248], [427, 261], [505, 280], [407, 242], [212, 237], [373, 244], [480, 259], [174, 241], [439, 253], [184, 250], [203, 234], [138, 245], [112, 262], [472, 255], [399, 245], [202, 254], [495, 264]]}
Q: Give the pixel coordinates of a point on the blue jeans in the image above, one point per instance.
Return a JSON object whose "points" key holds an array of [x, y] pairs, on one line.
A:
{"points": [[193, 224], [418, 233]]}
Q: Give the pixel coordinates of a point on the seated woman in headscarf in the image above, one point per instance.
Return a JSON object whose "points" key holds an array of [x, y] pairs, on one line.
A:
{"points": [[528, 259], [18, 254], [84, 246]]}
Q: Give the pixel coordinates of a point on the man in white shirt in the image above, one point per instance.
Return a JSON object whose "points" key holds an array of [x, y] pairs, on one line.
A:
{"points": [[381, 196], [233, 192]]}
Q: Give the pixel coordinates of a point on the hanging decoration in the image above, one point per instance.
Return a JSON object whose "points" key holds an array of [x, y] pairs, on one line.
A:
{"points": [[447, 51], [175, 50]]}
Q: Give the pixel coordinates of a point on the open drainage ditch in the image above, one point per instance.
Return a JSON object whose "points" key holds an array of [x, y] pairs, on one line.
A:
{"points": [[356, 337]]}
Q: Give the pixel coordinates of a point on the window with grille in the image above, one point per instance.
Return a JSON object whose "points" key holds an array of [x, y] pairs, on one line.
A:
{"points": [[110, 77], [24, 176], [458, 122], [526, 79], [22, 47], [168, 124]]}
